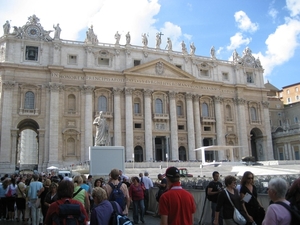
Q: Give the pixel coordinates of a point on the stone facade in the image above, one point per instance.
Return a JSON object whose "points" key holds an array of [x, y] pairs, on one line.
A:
{"points": [[159, 104], [285, 122]]}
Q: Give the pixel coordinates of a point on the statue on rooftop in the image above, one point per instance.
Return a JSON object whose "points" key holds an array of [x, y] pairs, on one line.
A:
{"points": [[192, 48], [57, 31], [117, 37], [6, 28]]}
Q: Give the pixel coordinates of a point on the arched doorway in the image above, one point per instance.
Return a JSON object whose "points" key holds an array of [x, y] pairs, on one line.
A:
{"points": [[27, 152], [257, 150], [138, 154]]}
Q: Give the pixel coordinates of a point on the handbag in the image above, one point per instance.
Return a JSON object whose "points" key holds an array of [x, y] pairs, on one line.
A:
{"points": [[237, 216], [9, 192]]}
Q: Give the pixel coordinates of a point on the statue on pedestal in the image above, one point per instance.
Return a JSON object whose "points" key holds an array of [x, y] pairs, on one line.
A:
{"points": [[102, 134]]}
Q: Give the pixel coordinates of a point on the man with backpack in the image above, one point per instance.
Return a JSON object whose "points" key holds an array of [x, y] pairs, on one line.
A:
{"points": [[118, 191], [66, 210], [213, 189]]}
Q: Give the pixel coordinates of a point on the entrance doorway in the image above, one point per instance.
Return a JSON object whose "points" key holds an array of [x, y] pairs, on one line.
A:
{"points": [[209, 155], [27, 152], [160, 149], [257, 144]]}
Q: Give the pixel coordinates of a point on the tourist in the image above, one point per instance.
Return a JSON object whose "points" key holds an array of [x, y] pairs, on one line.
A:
{"points": [[50, 197], [276, 213], [136, 193], [176, 206], [248, 193], [213, 189], [80, 194], [225, 205], [21, 199]]}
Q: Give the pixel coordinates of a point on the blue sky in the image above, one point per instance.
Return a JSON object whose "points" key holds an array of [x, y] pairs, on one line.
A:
{"points": [[271, 29]]}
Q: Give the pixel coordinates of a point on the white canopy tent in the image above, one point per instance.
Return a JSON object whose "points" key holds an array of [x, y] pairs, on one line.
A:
{"points": [[217, 148]]}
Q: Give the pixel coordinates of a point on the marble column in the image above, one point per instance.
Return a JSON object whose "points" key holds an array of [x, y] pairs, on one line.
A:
{"points": [[6, 124], [219, 125], [14, 150], [54, 89], [197, 126], [117, 117], [88, 122], [148, 125], [242, 128], [129, 124], [190, 126], [173, 126], [268, 143]]}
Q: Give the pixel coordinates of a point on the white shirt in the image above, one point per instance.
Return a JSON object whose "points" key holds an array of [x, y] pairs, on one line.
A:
{"points": [[147, 182]]}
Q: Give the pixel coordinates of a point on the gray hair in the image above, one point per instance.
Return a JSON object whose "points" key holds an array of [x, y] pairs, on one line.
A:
{"points": [[279, 185], [146, 173]]}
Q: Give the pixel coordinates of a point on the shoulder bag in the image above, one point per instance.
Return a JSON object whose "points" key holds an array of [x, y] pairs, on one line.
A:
{"points": [[22, 193], [237, 216]]}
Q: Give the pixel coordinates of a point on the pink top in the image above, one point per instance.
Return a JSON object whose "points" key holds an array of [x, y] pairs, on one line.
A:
{"points": [[277, 215]]}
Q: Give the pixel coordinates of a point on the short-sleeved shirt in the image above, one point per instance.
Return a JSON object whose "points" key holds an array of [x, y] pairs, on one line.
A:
{"points": [[178, 204], [215, 185], [276, 214]]}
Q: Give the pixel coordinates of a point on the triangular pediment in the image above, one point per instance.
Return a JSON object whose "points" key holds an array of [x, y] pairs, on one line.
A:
{"points": [[158, 68]]}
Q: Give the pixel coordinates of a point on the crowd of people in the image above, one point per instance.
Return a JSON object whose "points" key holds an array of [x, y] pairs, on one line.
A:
{"points": [[35, 199]]}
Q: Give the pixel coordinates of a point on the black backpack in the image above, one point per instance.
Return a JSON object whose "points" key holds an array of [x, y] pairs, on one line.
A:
{"points": [[117, 195], [117, 218], [209, 197], [69, 214], [294, 212]]}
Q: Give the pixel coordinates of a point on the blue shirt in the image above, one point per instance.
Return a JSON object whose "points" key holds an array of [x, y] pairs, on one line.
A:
{"points": [[34, 187], [101, 213], [2, 191]]}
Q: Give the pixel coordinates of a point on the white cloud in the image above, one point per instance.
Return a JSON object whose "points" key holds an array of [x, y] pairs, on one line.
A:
{"points": [[244, 22], [293, 6], [281, 45], [273, 13], [237, 40]]}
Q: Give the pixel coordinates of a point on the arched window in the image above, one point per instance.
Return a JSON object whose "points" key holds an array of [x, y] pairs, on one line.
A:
{"points": [[253, 114], [29, 100], [158, 106], [102, 103], [71, 102], [71, 147], [204, 110], [138, 154], [228, 113]]}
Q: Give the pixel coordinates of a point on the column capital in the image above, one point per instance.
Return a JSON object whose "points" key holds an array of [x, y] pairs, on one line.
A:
{"points": [[196, 97], [172, 94], [239, 101], [189, 95], [88, 89], [147, 92], [218, 99], [55, 87], [128, 91], [117, 91], [8, 84], [265, 104]]}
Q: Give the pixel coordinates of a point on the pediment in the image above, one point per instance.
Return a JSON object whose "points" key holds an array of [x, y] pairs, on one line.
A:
{"points": [[158, 68]]}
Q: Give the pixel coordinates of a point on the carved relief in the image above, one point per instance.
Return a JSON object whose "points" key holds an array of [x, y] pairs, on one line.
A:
{"points": [[159, 68]]}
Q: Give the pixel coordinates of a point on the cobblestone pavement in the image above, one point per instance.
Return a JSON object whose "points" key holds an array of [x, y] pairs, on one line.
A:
{"points": [[149, 220]]}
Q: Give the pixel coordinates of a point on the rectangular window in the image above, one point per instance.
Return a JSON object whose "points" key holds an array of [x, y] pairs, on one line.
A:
{"points": [[179, 111], [296, 150], [31, 53], [103, 61], [180, 127], [72, 59], [136, 108], [204, 73], [225, 76], [249, 77], [207, 128], [289, 100], [297, 98], [136, 62], [138, 125]]}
